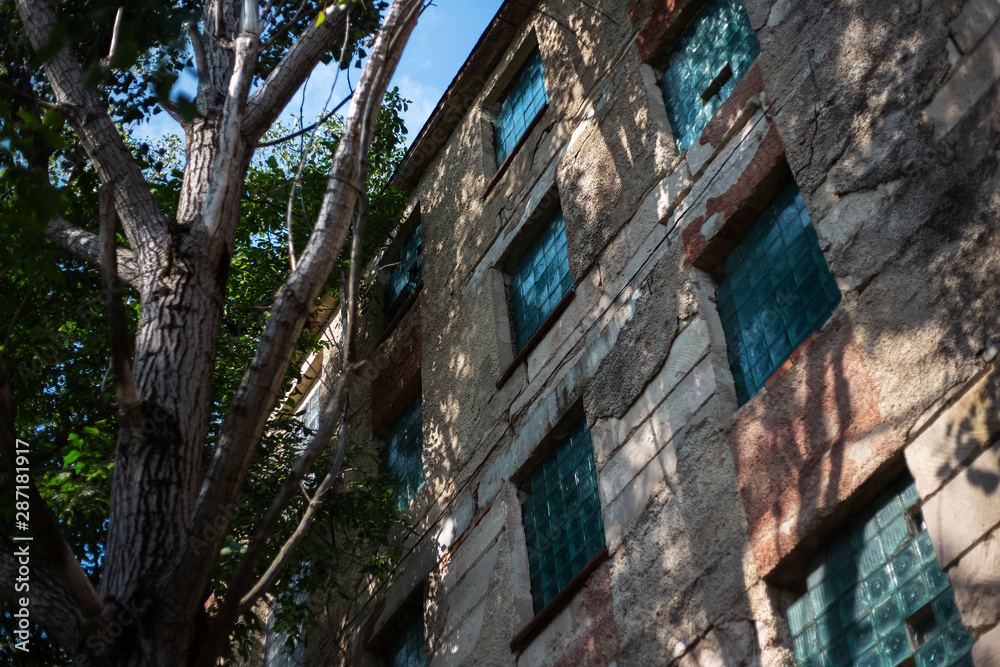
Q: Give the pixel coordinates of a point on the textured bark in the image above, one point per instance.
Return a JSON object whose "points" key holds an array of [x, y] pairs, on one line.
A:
{"points": [[167, 523]]}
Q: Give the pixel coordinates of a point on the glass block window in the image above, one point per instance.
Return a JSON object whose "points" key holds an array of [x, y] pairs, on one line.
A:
{"points": [[777, 292], [406, 647], [877, 596], [406, 274], [713, 55], [403, 454], [562, 516], [541, 282], [519, 106]]}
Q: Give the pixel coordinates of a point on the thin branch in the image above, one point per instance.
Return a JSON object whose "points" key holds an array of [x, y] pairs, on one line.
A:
{"points": [[308, 128], [201, 62], [45, 104], [113, 49], [231, 603], [342, 396], [301, 530], [268, 101], [284, 24], [128, 395], [87, 246]]}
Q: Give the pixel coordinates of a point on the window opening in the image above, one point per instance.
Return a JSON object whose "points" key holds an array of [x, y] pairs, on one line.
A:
{"points": [[406, 274], [403, 461], [406, 647], [878, 596], [713, 55], [778, 290], [541, 282], [561, 511], [520, 105]]}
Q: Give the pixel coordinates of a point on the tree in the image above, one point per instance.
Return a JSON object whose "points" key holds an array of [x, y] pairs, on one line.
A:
{"points": [[183, 445]]}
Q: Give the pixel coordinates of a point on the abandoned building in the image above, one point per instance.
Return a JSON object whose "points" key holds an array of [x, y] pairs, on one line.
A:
{"points": [[687, 352]]}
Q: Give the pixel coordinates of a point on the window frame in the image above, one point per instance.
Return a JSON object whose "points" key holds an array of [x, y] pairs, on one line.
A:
{"points": [[862, 512], [491, 102], [508, 266], [669, 41], [520, 482], [721, 277]]}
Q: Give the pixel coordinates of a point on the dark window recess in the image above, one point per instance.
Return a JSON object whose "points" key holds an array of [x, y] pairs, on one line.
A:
{"points": [[524, 98], [563, 527], [406, 645], [403, 454], [713, 55], [877, 597], [541, 282], [776, 293], [405, 275]]}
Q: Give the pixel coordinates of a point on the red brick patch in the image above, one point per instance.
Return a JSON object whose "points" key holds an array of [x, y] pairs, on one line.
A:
{"points": [[751, 84], [399, 380], [792, 444]]}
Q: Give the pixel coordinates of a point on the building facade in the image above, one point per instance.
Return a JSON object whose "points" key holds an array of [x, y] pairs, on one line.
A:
{"points": [[688, 353]]}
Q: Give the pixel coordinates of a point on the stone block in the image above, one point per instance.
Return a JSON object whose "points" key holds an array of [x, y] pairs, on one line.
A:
{"points": [[665, 196], [654, 434], [960, 431], [470, 591], [972, 78], [621, 514], [965, 508], [986, 652], [477, 542], [977, 17], [977, 588]]}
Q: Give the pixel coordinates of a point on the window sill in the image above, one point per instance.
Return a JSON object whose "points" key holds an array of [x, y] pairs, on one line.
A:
{"points": [[502, 169], [535, 625], [536, 337]]}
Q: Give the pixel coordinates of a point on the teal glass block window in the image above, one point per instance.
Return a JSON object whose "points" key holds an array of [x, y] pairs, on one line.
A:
{"points": [[541, 282], [403, 454], [878, 597], [778, 290], [713, 55], [562, 516], [406, 647], [405, 275], [524, 98]]}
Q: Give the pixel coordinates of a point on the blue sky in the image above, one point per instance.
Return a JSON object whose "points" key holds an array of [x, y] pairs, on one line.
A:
{"points": [[442, 40]]}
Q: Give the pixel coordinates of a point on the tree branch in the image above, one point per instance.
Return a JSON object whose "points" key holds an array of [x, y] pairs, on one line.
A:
{"points": [[121, 359], [75, 591], [247, 45], [254, 400], [142, 219], [340, 401], [270, 99], [231, 603], [87, 246]]}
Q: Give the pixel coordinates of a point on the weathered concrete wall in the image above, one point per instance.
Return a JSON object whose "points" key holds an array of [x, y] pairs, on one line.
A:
{"points": [[885, 114]]}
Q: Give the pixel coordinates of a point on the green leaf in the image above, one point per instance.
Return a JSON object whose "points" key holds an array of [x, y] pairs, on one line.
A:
{"points": [[72, 456], [320, 18]]}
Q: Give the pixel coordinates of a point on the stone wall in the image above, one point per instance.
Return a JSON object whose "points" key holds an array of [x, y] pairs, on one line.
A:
{"points": [[885, 115]]}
